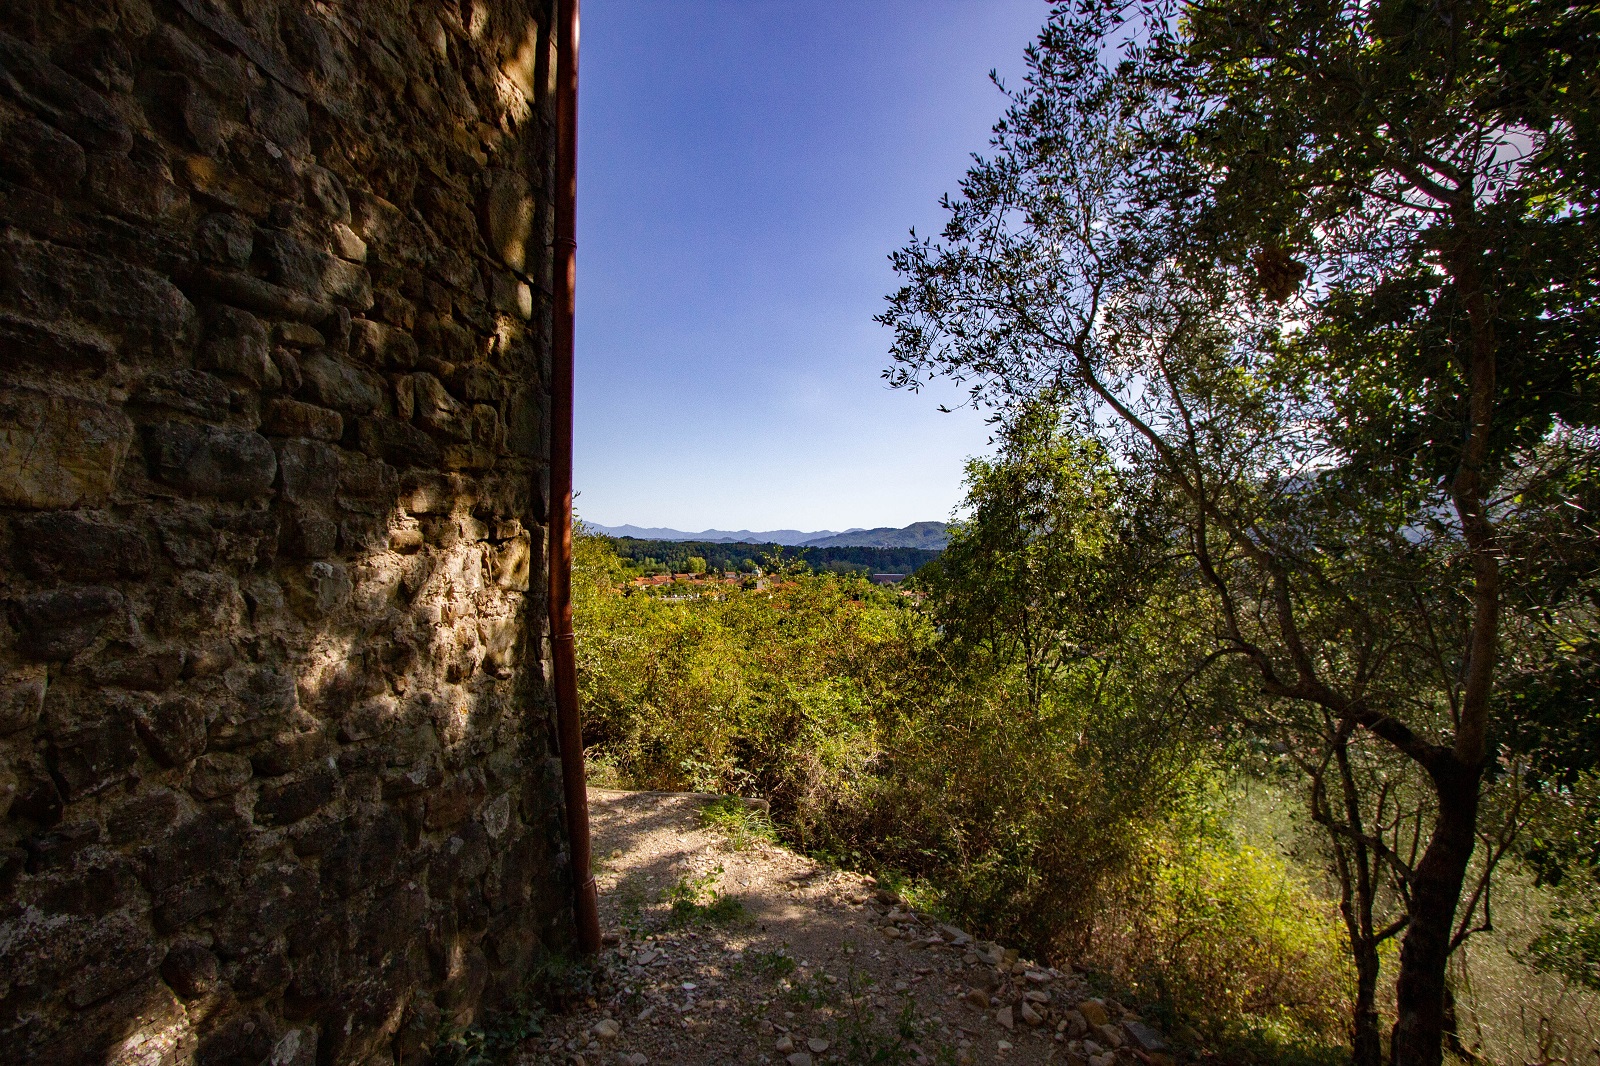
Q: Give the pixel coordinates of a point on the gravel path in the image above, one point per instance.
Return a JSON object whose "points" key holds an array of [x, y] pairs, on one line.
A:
{"points": [[753, 954]]}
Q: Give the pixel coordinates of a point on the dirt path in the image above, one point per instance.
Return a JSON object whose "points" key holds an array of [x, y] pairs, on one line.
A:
{"points": [[755, 954]]}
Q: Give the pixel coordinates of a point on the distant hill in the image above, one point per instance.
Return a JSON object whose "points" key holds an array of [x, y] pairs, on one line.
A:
{"points": [[929, 536], [662, 555], [789, 537]]}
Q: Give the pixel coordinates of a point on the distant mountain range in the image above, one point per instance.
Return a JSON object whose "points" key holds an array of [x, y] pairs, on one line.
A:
{"points": [[931, 536], [926, 535]]}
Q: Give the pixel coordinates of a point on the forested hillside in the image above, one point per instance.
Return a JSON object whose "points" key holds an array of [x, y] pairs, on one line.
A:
{"points": [[1261, 679], [662, 556]]}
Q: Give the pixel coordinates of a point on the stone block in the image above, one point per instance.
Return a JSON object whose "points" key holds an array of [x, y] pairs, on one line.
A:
{"points": [[226, 239], [177, 51], [367, 485], [300, 335], [63, 100], [445, 342], [37, 797], [256, 294], [58, 624], [397, 442], [328, 193], [460, 796], [347, 245], [54, 283], [152, 671], [314, 273], [308, 535], [55, 345], [292, 418], [512, 296], [133, 189], [180, 906], [508, 216], [286, 802], [526, 413], [380, 345], [191, 969], [113, 953], [364, 855], [37, 155], [423, 776], [60, 848], [88, 760], [143, 817], [193, 392], [332, 382], [308, 472], [141, 1025], [57, 452], [509, 563], [439, 412], [190, 850], [80, 546], [238, 345], [286, 752], [173, 729], [230, 464], [264, 704], [319, 589], [219, 774], [185, 111], [207, 602], [280, 116], [21, 699], [240, 1037], [1146, 1038]]}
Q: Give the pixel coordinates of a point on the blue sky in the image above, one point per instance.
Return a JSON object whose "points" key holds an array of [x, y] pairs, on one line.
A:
{"points": [[745, 167]]}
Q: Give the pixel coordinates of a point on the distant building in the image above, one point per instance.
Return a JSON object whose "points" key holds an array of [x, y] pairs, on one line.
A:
{"points": [[888, 579]]}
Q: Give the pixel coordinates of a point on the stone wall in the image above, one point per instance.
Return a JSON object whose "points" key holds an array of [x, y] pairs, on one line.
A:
{"points": [[277, 774]]}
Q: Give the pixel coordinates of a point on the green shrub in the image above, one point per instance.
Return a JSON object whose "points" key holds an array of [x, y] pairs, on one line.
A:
{"points": [[1214, 929], [743, 825], [1068, 819]]}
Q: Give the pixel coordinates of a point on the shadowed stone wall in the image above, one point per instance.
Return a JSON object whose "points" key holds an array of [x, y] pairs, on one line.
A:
{"points": [[277, 774]]}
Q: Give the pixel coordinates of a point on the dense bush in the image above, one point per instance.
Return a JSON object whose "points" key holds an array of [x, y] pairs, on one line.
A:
{"points": [[1069, 820]]}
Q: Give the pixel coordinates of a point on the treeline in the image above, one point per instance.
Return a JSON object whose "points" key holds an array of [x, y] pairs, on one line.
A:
{"points": [[663, 556]]}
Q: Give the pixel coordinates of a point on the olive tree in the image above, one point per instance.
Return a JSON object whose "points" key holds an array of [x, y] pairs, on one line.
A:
{"points": [[1328, 274]]}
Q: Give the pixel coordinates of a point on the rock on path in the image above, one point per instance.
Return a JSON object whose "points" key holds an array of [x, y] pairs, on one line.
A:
{"points": [[809, 966]]}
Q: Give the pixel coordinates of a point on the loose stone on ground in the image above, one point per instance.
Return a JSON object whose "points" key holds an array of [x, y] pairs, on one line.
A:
{"points": [[817, 966]]}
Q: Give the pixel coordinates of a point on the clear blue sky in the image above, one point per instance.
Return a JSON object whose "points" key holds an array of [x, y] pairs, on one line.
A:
{"points": [[745, 167]]}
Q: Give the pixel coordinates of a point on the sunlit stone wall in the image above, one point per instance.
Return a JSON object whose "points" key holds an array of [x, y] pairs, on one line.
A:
{"points": [[276, 753]]}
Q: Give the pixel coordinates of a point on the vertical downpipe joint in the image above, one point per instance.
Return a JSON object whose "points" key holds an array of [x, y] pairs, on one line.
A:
{"points": [[569, 727]]}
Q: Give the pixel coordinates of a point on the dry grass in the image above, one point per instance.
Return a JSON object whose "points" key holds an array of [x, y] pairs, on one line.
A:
{"points": [[1511, 1014]]}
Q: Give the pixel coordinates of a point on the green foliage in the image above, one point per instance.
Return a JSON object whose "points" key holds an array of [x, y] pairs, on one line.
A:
{"points": [[490, 1044], [695, 900], [1570, 944], [555, 981], [1320, 282], [743, 825], [1019, 807], [661, 556], [1207, 925], [772, 964]]}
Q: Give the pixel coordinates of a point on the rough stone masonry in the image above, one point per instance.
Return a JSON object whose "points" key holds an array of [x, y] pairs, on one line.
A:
{"points": [[277, 775]]}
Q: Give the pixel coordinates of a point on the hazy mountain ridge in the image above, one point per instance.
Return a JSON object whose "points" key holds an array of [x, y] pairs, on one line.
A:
{"points": [[929, 536], [787, 537], [926, 535]]}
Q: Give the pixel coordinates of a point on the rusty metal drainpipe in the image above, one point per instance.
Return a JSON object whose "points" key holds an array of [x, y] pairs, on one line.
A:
{"points": [[569, 728]]}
